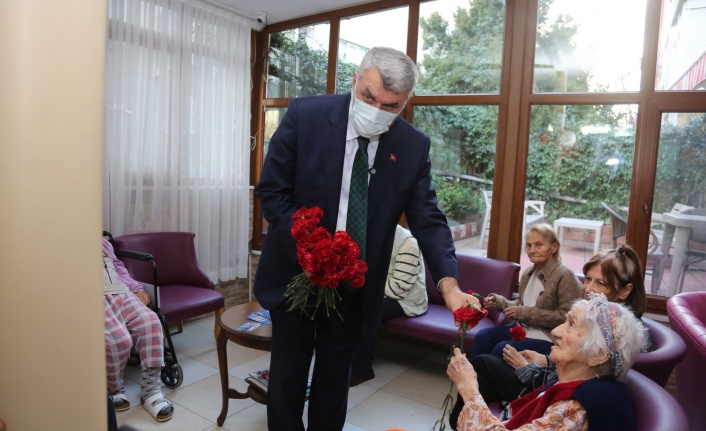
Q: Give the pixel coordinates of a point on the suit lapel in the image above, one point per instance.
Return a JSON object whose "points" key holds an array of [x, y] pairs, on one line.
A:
{"points": [[333, 146]]}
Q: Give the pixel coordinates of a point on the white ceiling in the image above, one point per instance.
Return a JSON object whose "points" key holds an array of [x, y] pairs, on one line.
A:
{"points": [[283, 10]]}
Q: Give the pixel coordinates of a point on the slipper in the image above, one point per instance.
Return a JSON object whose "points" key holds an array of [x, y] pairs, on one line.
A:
{"points": [[120, 402], [159, 407]]}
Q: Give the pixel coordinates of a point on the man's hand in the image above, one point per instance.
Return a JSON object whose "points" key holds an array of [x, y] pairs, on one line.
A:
{"points": [[144, 297], [454, 298]]}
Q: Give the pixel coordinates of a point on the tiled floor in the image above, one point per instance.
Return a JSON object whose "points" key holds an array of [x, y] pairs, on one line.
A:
{"points": [[407, 392]]}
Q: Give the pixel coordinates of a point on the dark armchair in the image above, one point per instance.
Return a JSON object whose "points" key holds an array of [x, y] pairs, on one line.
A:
{"points": [[655, 408], [668, 349], [185, 291], [687, 315]]}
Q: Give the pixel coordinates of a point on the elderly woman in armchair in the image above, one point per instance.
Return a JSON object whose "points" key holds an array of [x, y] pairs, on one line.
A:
{"points": [[593, 351]]}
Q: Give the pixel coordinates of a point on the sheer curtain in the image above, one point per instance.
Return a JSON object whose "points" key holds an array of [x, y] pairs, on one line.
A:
{"points": [[177, 122]]}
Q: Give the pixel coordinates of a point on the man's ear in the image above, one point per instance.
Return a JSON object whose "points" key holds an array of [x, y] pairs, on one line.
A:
{"points": [[625, 292]]}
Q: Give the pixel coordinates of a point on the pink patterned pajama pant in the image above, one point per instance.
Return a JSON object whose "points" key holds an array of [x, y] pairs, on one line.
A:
{"points": [[128, 321]]}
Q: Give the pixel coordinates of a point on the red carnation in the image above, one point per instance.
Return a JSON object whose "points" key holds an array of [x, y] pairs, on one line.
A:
{"points": [[518, 333], [327, 262]]}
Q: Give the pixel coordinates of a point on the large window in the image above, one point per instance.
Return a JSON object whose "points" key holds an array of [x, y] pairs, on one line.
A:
{"points": [[548, 103]]}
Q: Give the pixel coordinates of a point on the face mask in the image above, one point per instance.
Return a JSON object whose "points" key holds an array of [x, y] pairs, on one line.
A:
{"points": [[369, 120]]}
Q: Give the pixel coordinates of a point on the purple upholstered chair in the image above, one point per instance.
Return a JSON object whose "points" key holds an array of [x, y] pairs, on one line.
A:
{"points": [[481, 274], [185, 291], [687, 315], [655, 408], [668, 349]]}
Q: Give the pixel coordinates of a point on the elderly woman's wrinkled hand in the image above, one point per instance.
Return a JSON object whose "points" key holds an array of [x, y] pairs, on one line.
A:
{"points": [[462, 374], [513, 357], [534, 357], [489, 302], [512, 312]]}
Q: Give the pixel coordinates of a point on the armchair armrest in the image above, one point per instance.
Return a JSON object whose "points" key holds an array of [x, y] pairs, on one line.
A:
{"points": [[130, 254]]}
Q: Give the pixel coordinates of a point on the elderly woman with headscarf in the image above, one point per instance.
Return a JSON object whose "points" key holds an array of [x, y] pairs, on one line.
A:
{"points": [[593, 351]]}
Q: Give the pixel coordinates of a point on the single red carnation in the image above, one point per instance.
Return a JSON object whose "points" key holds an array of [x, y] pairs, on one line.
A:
{"points": [[518, 333]]}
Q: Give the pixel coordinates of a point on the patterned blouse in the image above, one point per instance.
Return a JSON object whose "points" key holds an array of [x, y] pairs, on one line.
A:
{"points": [[561, 416]]}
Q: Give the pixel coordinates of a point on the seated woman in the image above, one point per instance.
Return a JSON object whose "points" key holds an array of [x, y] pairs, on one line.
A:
{"points": [[547, 289], [129, 321], [593, 351], [617, 274]]}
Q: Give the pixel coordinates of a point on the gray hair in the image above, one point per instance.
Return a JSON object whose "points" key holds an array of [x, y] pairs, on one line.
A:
{"points": [[397, 71], [611, 328]]}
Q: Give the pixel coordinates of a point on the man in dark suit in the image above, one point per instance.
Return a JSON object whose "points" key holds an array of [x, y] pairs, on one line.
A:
{"points": [[309, 163]]}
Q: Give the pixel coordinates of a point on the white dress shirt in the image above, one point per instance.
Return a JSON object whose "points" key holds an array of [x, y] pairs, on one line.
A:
{"points": [[351, 148]]}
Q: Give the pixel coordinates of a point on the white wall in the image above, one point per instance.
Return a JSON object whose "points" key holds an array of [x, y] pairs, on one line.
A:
{"points": [[52, 365]]}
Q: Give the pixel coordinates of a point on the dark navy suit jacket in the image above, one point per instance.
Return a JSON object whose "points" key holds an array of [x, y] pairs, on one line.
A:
{"points": [[303, 168]]}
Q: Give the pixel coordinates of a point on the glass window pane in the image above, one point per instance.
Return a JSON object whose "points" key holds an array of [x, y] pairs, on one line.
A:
{"points": [[679, 206], [361, 33], [463, 162], [273, 116], [590, 46], [580, 157], [298, 61], [681, 64], [460, 46]]}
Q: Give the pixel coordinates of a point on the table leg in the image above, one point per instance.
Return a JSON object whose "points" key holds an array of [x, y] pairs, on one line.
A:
{"points": [[221, 341], [597, 240], [681, 238], [226, 392]]}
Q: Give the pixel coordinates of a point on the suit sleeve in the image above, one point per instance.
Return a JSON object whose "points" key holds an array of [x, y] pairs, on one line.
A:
{"points": [[275, 189], [428, 223]]}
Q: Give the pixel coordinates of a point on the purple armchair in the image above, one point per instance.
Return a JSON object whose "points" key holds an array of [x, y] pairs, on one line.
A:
{"points": [[687, 315], [655, 408], [185, 291], [436, 326], [668, 350]]}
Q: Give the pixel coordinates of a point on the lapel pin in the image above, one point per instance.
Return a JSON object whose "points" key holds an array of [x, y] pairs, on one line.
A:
{"points": [[393, 157]]}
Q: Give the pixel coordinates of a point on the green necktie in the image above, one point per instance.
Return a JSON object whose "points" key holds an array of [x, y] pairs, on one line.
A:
{"points": [[357, 218]]}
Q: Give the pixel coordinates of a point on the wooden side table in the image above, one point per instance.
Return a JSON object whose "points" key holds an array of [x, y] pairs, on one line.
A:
{"points": [[260, 339]]}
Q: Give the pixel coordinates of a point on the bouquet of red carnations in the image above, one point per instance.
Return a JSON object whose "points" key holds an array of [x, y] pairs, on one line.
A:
{"points": [[327, 262]]}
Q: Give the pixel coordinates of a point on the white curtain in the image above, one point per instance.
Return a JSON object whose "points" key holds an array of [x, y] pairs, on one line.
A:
{"points": [[177, 122]]}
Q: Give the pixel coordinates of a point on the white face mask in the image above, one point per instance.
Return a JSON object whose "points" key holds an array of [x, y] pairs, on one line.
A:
{"points": [[368, 120]]}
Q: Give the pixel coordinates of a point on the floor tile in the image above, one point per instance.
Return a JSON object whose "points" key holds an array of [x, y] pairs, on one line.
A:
{"points": [[384, 410]]}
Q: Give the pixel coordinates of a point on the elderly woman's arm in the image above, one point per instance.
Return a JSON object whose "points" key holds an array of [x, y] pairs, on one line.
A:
{"points": [[475, 415], [561, 416]]}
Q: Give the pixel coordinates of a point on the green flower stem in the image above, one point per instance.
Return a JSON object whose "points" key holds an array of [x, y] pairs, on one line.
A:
{"points": [[449, 399]]}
